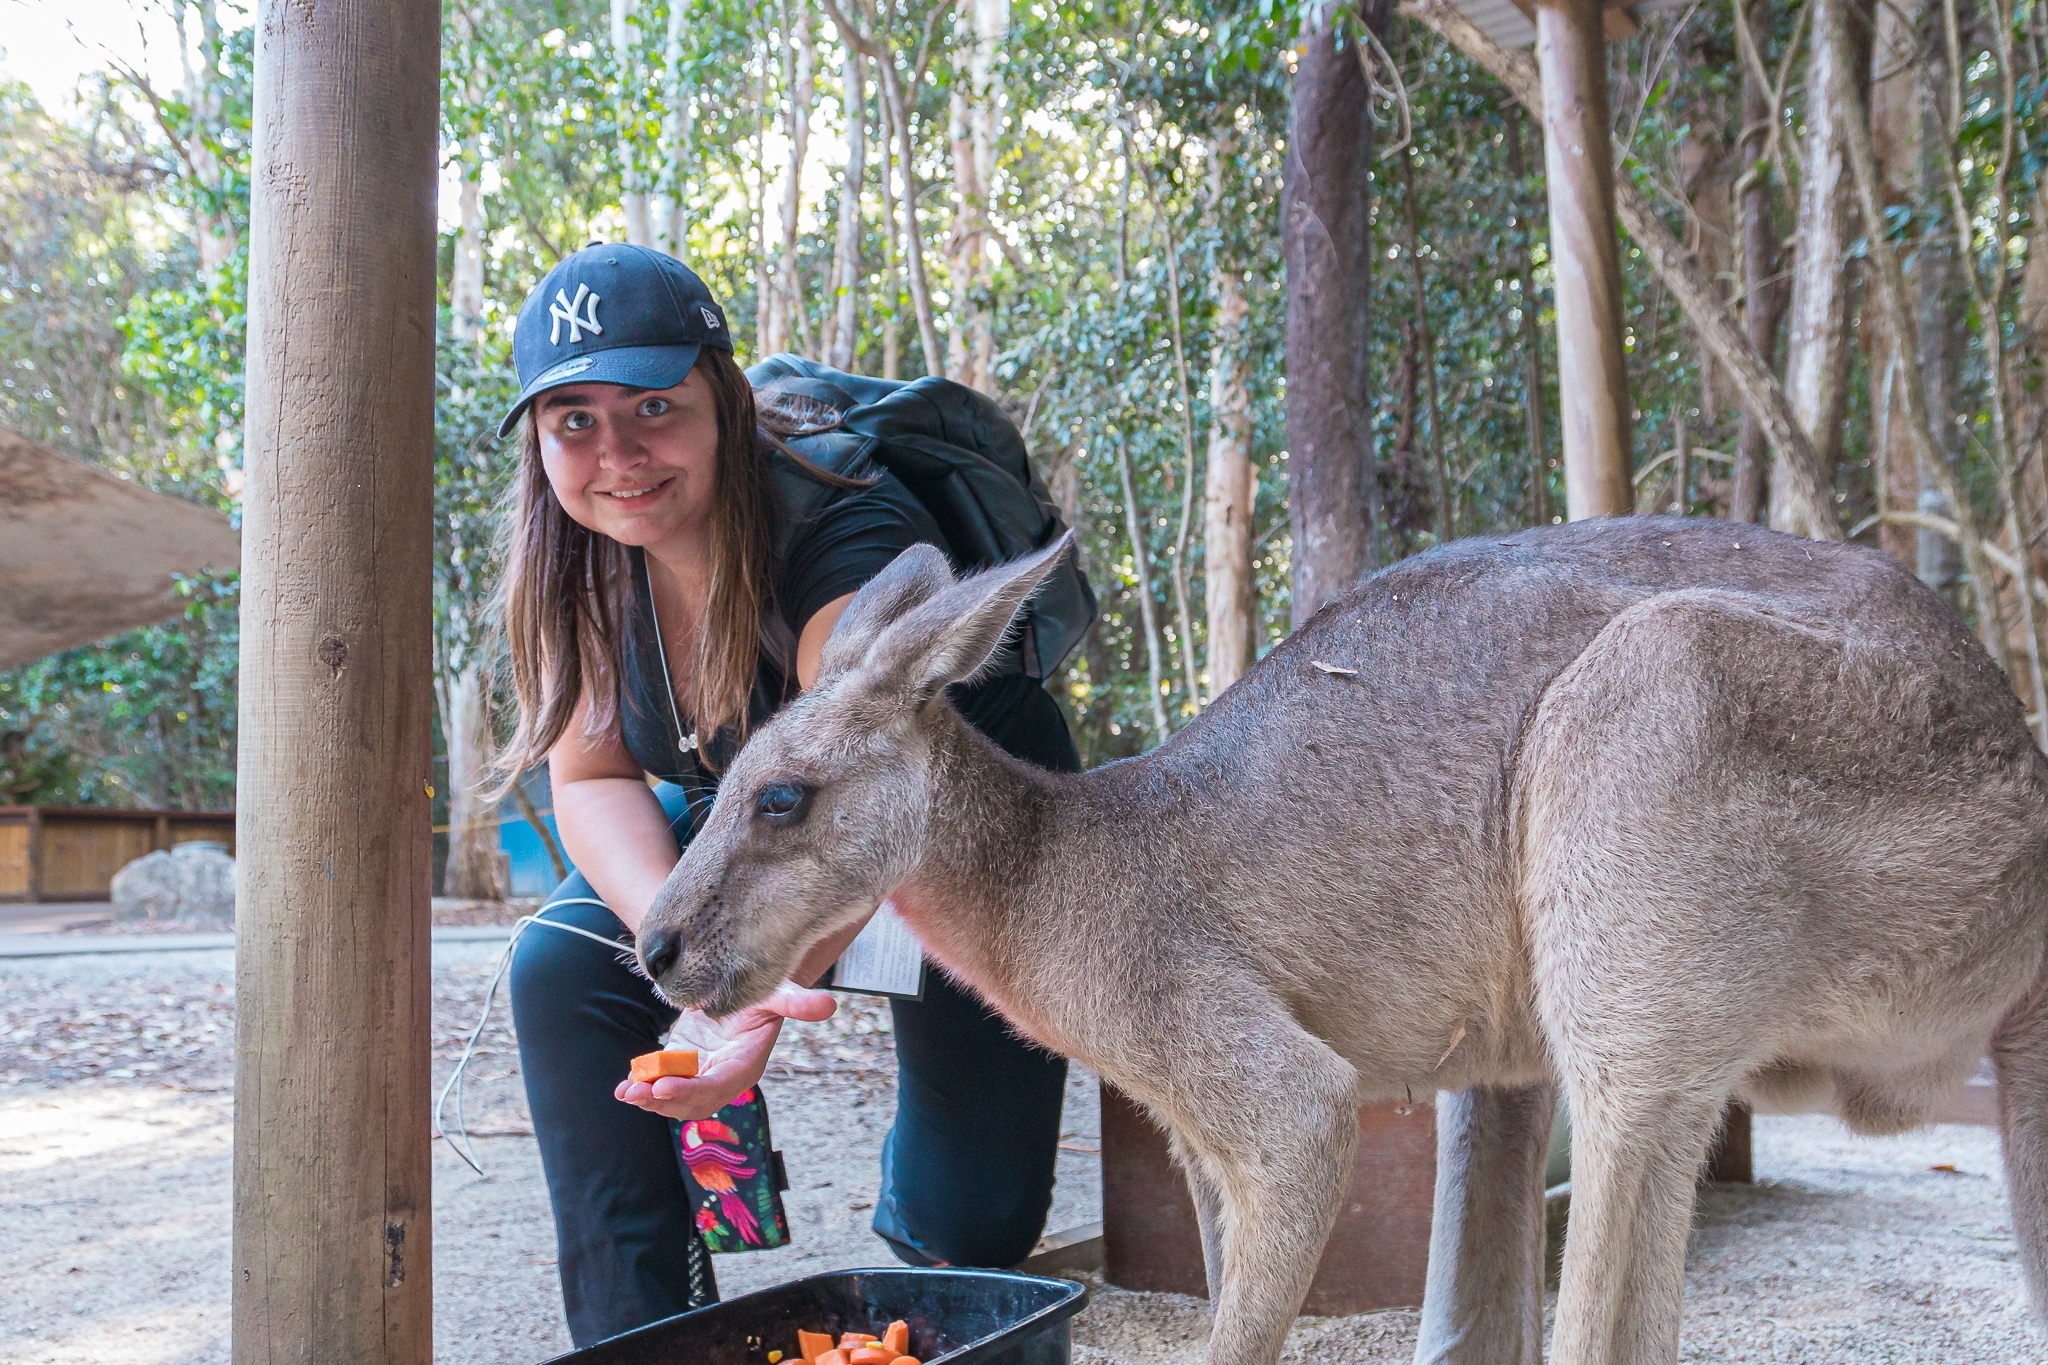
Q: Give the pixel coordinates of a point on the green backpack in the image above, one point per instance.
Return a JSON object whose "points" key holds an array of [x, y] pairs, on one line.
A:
{"points": [[962, 457]]}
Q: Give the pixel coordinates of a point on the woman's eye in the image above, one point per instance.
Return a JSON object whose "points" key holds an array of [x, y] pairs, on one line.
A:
{"points": [[781, 801], [654, 407], [578, 421]]}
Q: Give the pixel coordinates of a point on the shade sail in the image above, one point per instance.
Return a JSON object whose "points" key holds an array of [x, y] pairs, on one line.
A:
{"points": [[85, 555]]}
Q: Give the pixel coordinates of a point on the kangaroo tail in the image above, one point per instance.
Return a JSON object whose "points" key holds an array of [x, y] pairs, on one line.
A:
{"points": [[2019, 1051]]}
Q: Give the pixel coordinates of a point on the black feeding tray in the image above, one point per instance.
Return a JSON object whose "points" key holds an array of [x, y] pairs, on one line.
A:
{"points": [[961, 1317]]}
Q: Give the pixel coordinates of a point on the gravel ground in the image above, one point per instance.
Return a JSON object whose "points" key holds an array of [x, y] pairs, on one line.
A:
{"points": [[115, 1123]]}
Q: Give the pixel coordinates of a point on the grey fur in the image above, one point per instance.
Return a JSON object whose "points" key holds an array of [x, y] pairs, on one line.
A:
{"points": [[1657, 810]]}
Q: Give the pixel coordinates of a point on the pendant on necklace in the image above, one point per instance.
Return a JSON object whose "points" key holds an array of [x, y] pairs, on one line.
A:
{"points": [[689, 745]]}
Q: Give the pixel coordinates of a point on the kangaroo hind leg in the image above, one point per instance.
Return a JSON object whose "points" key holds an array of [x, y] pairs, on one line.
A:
{"points": [[2019, 1051], [1636, 1154]]}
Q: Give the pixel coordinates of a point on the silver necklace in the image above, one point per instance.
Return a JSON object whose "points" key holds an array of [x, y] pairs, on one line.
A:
{"points": [[684, 743]]}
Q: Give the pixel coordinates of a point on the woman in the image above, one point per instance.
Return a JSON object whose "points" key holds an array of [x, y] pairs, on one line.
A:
{"points": [[660, 603]]}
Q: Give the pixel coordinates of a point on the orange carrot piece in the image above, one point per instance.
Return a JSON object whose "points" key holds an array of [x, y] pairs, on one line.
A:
{"points": [[652, 1066], [853, 1341], [908, 1360], [897, 1338], [872, 1355], [833, 1357], [811, 1345]]}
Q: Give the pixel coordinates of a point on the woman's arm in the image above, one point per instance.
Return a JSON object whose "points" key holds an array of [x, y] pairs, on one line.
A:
{"points": [[611, 824], [735, 1051]]}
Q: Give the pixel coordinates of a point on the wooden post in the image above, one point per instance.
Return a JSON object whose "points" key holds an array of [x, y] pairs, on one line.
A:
{"points": [[1378, 1253], [1585, 261], [332, 1177]]}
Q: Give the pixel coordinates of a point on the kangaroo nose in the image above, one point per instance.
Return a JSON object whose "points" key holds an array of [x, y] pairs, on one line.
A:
{"points": [[659, 951]]}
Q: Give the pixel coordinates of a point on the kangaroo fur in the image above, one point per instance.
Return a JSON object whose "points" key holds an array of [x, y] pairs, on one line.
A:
{"points": [[1654, 811]]}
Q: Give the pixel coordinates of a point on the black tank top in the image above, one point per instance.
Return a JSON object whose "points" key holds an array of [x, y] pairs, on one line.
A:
{"points": [[847, 538]]}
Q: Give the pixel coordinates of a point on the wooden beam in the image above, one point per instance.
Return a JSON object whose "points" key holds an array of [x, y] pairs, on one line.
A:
{"points": [[1585, 258], [332, 1172]]}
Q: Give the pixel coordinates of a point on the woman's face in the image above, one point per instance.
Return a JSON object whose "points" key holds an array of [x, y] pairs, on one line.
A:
{"points": [[638, 465]]}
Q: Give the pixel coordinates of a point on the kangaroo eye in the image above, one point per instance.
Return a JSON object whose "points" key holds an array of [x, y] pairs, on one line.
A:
{"points": [[782, 802]]}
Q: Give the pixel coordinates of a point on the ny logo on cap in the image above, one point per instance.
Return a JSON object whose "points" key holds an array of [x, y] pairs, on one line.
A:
{"points": [[563, 309]]}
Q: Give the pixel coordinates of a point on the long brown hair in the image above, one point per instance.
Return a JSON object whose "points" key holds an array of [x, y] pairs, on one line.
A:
{"points": [[567, 590]]}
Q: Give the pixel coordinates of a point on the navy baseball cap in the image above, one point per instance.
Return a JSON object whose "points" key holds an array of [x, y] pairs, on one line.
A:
{"points": [[613, 315]]}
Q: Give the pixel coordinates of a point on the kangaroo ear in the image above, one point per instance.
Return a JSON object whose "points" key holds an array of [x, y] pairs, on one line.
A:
{"points": [[911, 577], [956, 632]]}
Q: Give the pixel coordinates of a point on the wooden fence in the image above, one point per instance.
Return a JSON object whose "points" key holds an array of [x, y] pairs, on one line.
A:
{"points": [[71, 853]]}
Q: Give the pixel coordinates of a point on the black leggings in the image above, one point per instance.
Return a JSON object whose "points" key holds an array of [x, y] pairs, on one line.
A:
{"points": [[967, 1169]]}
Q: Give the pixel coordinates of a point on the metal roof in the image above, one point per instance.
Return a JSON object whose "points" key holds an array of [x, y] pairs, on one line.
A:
{"points": [[1499, 20]]}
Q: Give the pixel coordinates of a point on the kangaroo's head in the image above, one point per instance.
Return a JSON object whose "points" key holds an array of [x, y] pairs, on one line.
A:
{"points": [[823, 813]]}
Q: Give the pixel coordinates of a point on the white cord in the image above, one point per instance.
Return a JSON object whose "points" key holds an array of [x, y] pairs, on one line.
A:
{"points": [[467, 1149]]}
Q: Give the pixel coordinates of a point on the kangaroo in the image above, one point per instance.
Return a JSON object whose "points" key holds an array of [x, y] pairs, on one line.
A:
{"points": [[1656, 810]]}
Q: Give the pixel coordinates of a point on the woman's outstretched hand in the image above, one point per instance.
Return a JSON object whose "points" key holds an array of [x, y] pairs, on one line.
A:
{"points": [[731, 1054]]}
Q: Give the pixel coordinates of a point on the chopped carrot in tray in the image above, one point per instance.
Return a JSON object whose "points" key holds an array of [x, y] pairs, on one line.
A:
{"points": [[652, 1066], [856, 1348]]}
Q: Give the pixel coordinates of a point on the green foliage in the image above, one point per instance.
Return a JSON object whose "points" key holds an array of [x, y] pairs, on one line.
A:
{"points": [[1139, 163], [145, 719], [473, 387], [116, 349]]}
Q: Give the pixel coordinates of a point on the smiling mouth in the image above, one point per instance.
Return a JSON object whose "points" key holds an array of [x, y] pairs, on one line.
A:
{"points": [[628, 494]]}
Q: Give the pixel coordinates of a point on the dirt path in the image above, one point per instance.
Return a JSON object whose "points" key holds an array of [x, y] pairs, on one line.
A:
{"points": [[115, 1124]]}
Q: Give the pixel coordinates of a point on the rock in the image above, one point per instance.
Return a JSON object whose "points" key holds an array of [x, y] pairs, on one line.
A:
{"points": [[192, 884]]}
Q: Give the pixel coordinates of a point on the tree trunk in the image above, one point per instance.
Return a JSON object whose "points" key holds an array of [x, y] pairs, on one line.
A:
{"points": [[846, 252], [332, 1256], [1325, 224], [1230, 499], [1896, 131], [632, 164], [1585, 258], [678, 126], [204, 95], [1834, 30], [976, 109], [893, 287], [785, 321], [1763, 293], [466, 282], [2030, 405], [1709, 235], [906, 161], [1538, 499], [1442, 494], [1817, 338], [475, 868], [1148, 617]]}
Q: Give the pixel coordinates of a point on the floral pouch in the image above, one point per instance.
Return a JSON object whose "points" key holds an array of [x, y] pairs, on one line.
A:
{"points": [[734, 1175]]}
